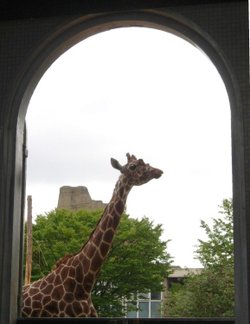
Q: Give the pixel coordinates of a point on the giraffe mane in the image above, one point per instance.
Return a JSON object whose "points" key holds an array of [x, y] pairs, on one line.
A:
{"points": [[63, 260]]}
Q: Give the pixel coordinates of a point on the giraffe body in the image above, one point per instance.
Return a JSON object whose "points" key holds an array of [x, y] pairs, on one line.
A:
{"points": [[66, 290]]}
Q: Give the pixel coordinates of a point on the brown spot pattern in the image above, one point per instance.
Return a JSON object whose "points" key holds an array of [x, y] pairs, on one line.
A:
{"points": [[108, 235], [69, 310], [79, 273], [95, 264], [57, 292], [64, 272], [104, 248]]}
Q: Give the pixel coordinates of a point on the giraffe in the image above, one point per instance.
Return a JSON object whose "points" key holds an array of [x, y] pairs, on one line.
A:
{"points": [[66, 290]]}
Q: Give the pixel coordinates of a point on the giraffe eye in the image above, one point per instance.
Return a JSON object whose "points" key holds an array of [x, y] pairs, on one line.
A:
{"points": [[132, 167]]}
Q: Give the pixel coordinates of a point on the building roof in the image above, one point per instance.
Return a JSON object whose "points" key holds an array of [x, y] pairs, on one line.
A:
{"points": [[179, 272]]}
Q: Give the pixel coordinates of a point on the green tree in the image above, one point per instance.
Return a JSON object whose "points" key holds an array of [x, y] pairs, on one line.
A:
{"points": [[138, 260], [210, 293], [218, 250]]}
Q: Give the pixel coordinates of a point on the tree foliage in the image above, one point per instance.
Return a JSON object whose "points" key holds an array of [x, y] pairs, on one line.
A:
{"points": [[211, 293], [138, 259], [218, 250]]}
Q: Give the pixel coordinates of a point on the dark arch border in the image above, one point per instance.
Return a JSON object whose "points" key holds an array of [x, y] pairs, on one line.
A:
{"points": [[82, 28]]}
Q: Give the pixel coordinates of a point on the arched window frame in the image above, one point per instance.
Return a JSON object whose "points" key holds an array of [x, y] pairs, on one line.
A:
{"points": [[14, 133]]}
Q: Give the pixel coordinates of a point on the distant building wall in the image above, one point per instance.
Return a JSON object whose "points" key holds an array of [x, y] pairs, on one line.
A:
{"points": [[76, 198], [152, 304], [178, 274]]}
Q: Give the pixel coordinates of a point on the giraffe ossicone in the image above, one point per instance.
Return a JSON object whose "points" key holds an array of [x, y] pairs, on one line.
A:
{"points": [[66, 290]]}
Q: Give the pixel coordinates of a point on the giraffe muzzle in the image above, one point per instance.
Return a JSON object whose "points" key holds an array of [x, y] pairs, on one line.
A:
{"points": [[157, 173]]}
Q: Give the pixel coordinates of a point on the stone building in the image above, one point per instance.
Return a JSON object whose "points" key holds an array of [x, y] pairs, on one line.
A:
{"points": [[76, 198]]}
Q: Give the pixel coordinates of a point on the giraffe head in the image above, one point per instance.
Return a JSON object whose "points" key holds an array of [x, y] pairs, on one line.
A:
{"points": [[136, 171]]}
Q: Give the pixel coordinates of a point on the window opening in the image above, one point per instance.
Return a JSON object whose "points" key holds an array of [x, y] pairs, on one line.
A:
{"points": [[147, 92]]}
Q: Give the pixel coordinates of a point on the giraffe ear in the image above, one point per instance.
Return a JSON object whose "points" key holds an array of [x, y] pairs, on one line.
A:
{"points": [[115, 164]]}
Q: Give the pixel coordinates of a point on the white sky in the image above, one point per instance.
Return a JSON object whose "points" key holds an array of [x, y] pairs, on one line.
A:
{"points": [[142, 91]]}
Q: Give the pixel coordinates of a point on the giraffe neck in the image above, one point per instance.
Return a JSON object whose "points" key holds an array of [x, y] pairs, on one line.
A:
{"points": [[95, 251], [106, 227]]}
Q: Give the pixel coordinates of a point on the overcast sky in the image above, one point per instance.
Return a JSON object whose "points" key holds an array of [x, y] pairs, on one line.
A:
{"points": [[142, 91]]}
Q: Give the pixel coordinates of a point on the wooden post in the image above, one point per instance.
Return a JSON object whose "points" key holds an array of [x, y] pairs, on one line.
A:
{"points": [[29, 242]]}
